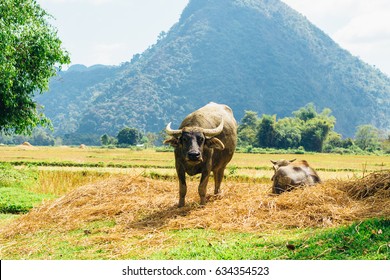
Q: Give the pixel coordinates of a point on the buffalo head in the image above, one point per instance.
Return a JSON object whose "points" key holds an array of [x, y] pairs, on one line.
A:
{"points": [[279, 163], [192, 140], [282, 162]]}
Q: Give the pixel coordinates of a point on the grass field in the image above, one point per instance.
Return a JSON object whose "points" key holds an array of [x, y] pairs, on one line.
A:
{"points": [[71, 203]]}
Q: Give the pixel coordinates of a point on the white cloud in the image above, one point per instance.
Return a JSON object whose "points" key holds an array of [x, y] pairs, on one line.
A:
{"points": [[368, 27], [91, 29], [326, 14], [360, 26]]}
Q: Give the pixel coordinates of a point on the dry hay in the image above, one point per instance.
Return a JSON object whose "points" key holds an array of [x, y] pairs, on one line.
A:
{"points": [[26, 146], [141, 205], [377, 182]]}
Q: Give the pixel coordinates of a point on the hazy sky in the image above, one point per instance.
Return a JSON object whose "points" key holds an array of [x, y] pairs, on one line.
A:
{"points": [[111, 31]]}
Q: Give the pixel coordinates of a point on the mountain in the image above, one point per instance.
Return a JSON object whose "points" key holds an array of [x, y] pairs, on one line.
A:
{"points": [[71, 92], [258, 55]]}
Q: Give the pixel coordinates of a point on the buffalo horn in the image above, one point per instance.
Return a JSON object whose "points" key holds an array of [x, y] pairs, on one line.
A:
{"points": [[171, 131], [213, 131]]}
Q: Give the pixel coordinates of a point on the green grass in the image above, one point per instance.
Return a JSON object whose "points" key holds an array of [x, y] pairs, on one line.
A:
{"points": [[21, 189], [17, 200], [368, 240], [15, 196]]}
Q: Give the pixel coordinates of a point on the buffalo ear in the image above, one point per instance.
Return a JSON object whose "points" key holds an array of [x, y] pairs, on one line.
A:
{"points": [[273, 162], [215, 143], [174, 142]]}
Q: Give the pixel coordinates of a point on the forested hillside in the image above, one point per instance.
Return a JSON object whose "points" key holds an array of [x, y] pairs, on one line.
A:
{"points": [[71, 92], [250, 54]]}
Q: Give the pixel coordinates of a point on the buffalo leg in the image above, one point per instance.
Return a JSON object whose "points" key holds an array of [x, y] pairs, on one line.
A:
{"points": [[218, 177], [202, 189], [182, 186]]}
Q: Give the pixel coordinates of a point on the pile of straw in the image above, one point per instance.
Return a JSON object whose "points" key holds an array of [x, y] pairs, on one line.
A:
{"points": [[140, 205], [374, 183]]}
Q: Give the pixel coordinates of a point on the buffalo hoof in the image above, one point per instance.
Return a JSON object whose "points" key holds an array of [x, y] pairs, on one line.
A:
{"points": [[181, 203], [203, 201]]}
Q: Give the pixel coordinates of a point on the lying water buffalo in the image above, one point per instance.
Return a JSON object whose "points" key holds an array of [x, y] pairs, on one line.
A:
{"points": [[289, 174], [205, 142]]}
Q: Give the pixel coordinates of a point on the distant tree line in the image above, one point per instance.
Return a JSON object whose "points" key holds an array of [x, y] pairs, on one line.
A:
{"points": [[306, 130], [125, 137]]}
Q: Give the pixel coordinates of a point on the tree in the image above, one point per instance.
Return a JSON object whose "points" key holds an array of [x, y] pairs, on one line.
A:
{"points": [[248, 128], [314, 134], [152, 139], [287, 133], [129, 136], [266, 133], [386, 145], [30, 53], [367, 138], [250, 120], [315, 127], [306, 113], [106, 140], [42, 138]]}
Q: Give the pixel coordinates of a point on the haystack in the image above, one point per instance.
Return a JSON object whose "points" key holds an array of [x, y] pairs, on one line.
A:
{"points": [[26, 144], [372, 184], [140, 205]]}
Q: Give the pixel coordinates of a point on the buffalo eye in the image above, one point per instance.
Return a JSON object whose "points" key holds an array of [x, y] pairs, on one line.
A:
{"points": [[184, 139], [200, 140]]}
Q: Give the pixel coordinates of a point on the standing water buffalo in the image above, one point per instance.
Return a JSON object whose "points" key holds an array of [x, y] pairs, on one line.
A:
{"points": [[205, 142], [289, 174]]}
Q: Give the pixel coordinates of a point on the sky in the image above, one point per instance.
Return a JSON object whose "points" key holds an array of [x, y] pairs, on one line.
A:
{"points": [[111, 31]]}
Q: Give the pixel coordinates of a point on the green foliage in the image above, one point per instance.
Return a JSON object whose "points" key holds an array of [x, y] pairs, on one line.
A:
{"points": [[314, 133], [42, 138], [308, 129], [30, 51], [107, 140], [367, 138], [39, 137], [252, 150], [306, 113], [247, 129], [288, 133], [129, 136], [315, 128], [249, 121], [81, 138], [386, 145], [335, 144], [266, 132]]}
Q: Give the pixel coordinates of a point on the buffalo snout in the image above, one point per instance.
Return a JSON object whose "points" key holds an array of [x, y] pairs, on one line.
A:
{"points": [[194, 156]]}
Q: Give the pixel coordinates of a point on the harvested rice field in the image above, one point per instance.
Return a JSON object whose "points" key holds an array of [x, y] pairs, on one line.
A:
{"points": [[125, 207]]}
